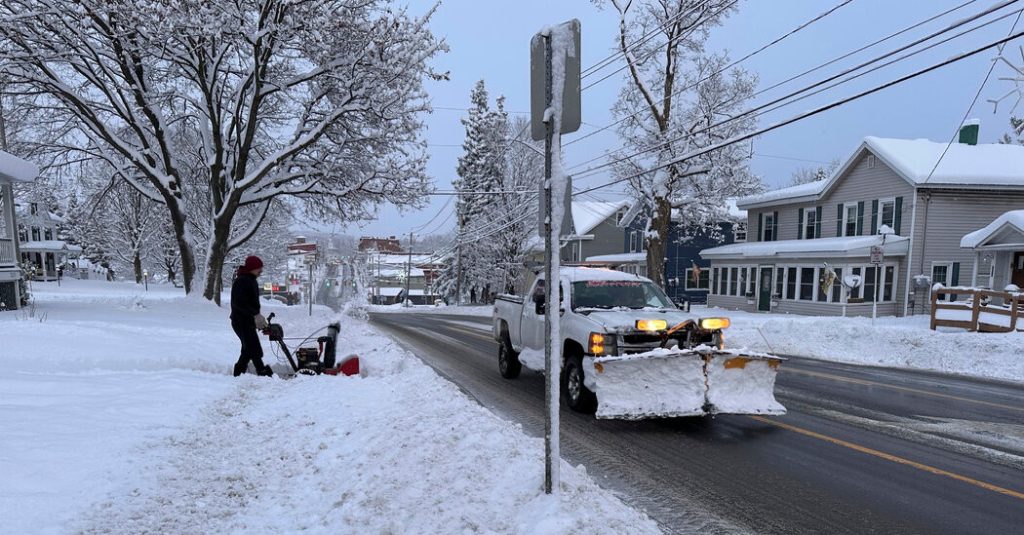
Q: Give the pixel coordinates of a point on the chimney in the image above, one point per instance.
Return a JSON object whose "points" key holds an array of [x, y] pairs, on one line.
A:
{"points": [[969, 131]]}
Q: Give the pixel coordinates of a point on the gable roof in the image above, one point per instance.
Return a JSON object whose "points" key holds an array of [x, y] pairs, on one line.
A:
{"points": [[587, 215], [14, 169], [983, 166]]}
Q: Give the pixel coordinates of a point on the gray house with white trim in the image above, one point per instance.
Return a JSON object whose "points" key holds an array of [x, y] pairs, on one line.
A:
{"points": [[803, 241], [12, 169]]}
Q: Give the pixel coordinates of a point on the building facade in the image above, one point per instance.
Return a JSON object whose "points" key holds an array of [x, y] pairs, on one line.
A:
{"points": [[809, 247], [12, 169]]}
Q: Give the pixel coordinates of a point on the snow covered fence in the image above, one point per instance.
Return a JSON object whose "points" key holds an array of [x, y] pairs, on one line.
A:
{"points": [[983, 311]]}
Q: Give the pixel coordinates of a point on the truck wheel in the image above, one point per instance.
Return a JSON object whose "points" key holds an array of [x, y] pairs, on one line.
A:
{"points": [[579, 397], [508, 360]]}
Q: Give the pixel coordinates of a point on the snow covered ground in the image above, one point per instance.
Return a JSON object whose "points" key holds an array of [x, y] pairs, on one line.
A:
{"points": [[476, 310], [118, 415], [897, 342]]}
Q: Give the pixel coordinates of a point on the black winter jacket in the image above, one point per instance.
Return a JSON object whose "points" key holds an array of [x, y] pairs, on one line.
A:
{"points": [[245, 299]]}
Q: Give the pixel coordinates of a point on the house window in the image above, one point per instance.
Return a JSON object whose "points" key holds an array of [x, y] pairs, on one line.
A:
{"points": [[887, 209], [751, 280], [739, 232], [889, 278], [733, 277], [850, 219], [791, 283], [871, 161], [855, 293], [807, 280], [713, 283], [837, 286], [636, 241], [702, 281], [48, 234], [33, 208], [722, 277], [822, 295], [779, 274], [767, 227], [869, 284], [35, 234], [940, 273], [808, 225]]}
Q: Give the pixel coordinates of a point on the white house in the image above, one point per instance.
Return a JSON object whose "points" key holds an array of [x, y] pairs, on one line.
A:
{"points": [[12, 169]]}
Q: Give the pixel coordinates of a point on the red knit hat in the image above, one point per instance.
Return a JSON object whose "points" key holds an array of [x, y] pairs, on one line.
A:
{"points": [[252, 263]]}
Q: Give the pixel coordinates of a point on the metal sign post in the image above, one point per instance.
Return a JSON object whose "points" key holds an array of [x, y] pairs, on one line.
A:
{"points": [[543, 121], [877, 257]]}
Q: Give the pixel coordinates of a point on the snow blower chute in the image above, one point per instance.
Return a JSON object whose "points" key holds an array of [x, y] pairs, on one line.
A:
{"points": [[321, 359]]}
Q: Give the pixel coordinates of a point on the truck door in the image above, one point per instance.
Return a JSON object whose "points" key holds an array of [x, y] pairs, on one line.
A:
{"points": [[531, 327]]}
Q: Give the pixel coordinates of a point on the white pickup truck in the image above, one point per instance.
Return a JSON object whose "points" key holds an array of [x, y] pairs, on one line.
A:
{"points": [[628, 352]]}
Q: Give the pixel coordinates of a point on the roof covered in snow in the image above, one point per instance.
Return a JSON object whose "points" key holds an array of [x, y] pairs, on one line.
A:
{"points": [[587, 215], [595, 274], [49, 245], [987, 165], [618, 258], [14, 169], [1009, 227], [849, 246]]}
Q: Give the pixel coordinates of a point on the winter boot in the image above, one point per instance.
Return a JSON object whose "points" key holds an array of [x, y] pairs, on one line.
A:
{"points": [[240, 368], [265, 371]]}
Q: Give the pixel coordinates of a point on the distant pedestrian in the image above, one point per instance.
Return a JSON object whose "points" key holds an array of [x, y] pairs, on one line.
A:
{"points": [[246, 318]]}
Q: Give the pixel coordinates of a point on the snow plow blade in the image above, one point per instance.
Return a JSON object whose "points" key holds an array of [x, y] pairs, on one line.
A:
{"points": [[667, 383]]}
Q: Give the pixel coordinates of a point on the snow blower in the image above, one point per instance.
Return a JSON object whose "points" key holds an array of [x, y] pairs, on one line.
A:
{"points": [[314, 360]]}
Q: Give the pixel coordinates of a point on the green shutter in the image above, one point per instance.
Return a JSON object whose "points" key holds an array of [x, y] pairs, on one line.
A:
{"points": [[839, 220], [954, 279], [897, 217], [874, 217], [817, 222], [760, 221], [800, 224], [860, 218], [775, 227]]}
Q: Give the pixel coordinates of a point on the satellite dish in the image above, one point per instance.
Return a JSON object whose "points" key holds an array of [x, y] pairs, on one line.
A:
{"points": [[852, 281]]}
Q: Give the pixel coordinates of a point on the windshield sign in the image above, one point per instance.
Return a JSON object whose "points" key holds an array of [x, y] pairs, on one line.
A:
{"points": [[613, 294]]}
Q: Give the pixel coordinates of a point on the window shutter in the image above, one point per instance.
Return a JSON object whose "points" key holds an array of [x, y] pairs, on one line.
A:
{"points": [[874, 217], [860, 218], [839, 220], [775, 227], [897, 217], [954, 279], [760, 223], [800, 224], [817, 222]]}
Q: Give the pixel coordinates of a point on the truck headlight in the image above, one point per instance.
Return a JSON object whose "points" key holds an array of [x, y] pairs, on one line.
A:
{"points": [[601, 344], [714, 324], [651, 325]]}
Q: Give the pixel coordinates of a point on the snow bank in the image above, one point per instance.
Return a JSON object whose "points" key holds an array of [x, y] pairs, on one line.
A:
{"points": [[484, 311], [896, 342], [119, 416]]}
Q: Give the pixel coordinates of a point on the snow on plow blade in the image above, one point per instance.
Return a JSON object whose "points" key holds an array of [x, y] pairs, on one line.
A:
{"points": [[684, 382]]}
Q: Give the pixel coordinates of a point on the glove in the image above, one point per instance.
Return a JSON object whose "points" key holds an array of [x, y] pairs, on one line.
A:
{"points": [[261, 322]]}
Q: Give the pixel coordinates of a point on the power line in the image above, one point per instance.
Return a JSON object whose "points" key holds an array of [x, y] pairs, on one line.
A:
{"points": [[780, 102], [816, 111]]}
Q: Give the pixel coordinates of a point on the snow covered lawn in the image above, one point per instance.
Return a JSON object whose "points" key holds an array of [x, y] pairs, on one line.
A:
{"points": [[119, 416], [897, 342]]}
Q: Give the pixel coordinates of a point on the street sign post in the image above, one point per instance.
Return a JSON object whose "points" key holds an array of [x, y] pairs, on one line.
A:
{"points": [[561, 42], [877, 257]]}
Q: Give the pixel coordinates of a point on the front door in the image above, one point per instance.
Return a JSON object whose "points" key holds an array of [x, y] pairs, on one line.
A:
{"points": [[1017, 274], [764, 295]]}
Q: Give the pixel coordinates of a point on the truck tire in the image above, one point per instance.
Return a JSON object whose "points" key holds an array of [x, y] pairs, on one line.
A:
{"points": [[578, 396], [508, 359]]}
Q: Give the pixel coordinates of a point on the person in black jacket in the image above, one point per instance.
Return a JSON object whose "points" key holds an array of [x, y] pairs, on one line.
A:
{"points": [[246, 317]]}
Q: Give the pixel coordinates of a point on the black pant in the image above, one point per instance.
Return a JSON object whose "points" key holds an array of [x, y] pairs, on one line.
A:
{"points": [[252, 351]]}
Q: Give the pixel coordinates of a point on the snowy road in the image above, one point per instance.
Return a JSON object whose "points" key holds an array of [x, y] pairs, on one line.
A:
{"points": [[861, 450]]}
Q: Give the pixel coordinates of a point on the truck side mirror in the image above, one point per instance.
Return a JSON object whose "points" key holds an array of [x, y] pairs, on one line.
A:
{"points": [[538, 303]]}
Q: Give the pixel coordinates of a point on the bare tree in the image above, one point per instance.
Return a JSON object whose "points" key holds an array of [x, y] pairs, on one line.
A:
{"points": [[246, 101], [805, 175], [676, 92]]}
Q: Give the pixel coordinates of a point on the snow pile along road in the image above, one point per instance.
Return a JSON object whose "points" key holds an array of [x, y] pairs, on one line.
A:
{"points": [[157, 437]]}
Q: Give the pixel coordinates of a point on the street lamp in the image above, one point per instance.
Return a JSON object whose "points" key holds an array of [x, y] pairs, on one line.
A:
{"points": [[145, 278]]}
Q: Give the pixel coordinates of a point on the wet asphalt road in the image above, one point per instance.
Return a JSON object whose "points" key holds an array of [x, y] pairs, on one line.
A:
{"points": [[861, 450]]}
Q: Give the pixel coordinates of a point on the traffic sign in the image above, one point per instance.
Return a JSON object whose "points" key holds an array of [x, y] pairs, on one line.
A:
{"points": [[538, 81]]}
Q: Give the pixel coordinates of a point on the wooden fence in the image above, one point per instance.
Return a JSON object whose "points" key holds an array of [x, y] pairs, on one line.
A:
{"points": [[974, 314]]}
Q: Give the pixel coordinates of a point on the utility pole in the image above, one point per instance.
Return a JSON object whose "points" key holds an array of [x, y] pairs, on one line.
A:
{"points": [[551, 368], [408, 272], [458, 266], [311, 289]]}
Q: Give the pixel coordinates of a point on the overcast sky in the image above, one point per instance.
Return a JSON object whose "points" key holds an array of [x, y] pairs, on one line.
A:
{"points": [[489, 39]]}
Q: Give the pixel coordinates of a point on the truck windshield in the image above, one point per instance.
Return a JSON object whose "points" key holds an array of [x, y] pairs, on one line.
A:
{"points": [[606, 294]]}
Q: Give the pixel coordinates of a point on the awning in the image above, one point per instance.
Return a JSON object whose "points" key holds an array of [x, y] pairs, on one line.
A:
{"points": [[48, 246], [1005, 232], [845, 247], [620, 258], [14, 169]]}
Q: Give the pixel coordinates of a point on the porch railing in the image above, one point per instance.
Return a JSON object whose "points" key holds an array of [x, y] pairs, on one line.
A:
{"points": [[7, 252], [982, 311]]}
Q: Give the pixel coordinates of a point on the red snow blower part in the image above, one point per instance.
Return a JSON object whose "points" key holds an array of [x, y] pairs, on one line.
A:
{"points": [[317, 360]]}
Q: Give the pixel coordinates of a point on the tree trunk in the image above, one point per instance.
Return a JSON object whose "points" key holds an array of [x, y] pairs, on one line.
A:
{"points": [[215, 260], [188, 259], [171, 275], [137, 264], [657, 240]]}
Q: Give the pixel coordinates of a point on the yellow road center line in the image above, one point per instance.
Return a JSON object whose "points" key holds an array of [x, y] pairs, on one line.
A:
{"points": [[866, 382], [893, 458]]}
